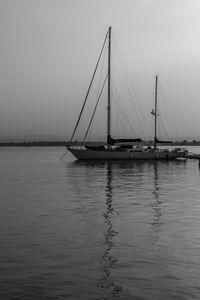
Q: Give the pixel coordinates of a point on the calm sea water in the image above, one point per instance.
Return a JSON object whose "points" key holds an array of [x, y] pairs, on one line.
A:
{"points": [[118, 230]]}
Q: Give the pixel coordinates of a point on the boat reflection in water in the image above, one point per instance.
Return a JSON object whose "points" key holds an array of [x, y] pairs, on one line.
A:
{"points": [[126, 211], [107, 281], [156, 206]]}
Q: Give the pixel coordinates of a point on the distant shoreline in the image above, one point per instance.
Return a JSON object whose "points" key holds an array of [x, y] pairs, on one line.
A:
{"points": [[67, 143]]}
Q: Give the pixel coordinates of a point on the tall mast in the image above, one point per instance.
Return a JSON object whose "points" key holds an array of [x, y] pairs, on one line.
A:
{"points": [[109, 98], [155, 113]]}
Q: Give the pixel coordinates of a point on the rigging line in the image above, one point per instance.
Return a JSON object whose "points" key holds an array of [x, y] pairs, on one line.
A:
{"points": [[171, 120], [169, 124], [89, 87], [95, 108], [163, 130], [162, 126], [128, 84], [64, 155], [101, 73], [122, 117], [171, 108], [123, 67], [118, 117], [120, 110], [123, 112], [99, 88], [130, 87]]}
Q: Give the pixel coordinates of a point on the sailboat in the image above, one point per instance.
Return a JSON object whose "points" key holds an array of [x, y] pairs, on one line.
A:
{"points": [[121, 149]]}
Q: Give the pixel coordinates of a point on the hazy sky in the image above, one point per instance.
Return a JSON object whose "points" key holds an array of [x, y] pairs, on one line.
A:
{"points": [[49, 49]]}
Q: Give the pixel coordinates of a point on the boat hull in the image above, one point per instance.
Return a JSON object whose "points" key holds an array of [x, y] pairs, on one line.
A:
{"points": [[81, 154]]}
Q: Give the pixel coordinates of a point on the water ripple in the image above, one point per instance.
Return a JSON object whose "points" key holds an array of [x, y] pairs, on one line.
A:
{"points": [[76, 230]]}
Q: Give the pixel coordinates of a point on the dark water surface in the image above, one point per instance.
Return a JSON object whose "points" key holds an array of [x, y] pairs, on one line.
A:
{"points": [[120, 230]]}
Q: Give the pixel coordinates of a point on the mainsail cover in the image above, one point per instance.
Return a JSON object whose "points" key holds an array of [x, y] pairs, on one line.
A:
{"points": [[111, 141], [162, 142]]}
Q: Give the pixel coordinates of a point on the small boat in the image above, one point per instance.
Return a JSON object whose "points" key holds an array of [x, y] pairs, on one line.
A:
{"points": [[121, 149]]}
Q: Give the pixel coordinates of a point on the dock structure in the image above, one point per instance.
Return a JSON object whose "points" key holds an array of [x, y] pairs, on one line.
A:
{"points": [[191, 155]]}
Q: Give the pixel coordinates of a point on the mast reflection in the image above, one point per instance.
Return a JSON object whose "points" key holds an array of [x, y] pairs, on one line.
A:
{"points": [[156, 203], [107, 281]]}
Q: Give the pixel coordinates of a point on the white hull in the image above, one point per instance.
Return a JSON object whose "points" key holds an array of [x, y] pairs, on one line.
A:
{"points": [[82, 154]]}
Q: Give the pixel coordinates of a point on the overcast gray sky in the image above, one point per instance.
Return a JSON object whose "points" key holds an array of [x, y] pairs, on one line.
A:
{"points": [[49, 49]]}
